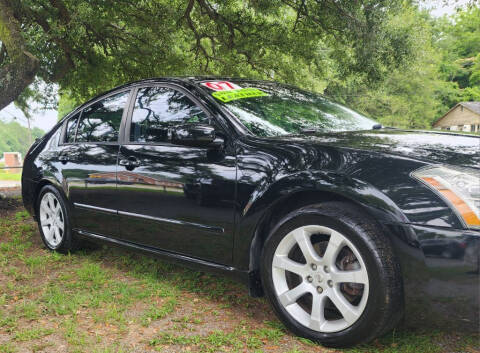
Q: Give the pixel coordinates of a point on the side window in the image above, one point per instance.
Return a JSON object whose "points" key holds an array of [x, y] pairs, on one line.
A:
{"points": [[158, 110], [100, 122], [71, 128]]}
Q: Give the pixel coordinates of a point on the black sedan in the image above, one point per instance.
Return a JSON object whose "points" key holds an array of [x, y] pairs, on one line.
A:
{"points": [[316, 206]]}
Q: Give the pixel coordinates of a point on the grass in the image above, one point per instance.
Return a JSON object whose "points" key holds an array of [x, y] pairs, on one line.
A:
{"points": [[111, 300], [10, 176]]}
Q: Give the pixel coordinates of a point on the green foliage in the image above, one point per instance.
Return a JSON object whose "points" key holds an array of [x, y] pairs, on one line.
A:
{"points": [[66, 104], [444, 69], [89, 46], [388, 59], [458, 41], [10, 176], [16, 138]]}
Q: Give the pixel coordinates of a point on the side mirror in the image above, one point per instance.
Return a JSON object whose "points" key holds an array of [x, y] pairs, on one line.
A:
{"points": [[196, 135]]}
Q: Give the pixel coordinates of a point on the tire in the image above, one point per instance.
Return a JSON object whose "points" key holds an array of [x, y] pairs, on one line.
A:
{"points": [[55, 206], [337, 238]]}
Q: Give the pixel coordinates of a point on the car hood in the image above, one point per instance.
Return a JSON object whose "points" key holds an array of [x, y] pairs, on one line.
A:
{"points": [[432, 147]]}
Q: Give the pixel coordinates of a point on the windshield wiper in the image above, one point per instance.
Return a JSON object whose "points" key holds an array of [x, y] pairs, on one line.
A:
{"points": [[313, 131]]}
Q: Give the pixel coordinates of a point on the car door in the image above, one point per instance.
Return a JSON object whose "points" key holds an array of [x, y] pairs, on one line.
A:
{"points": [[88, 161], [174, 197]]}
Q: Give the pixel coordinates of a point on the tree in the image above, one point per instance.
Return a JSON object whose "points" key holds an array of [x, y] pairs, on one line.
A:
{"points": [[442, 70], [17, 65], [90, 46], [16, 138], [458, 41]]}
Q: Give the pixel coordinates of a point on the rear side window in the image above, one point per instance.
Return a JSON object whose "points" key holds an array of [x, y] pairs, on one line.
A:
{"points": [[160, 109], [100, 122], [71, 128]]}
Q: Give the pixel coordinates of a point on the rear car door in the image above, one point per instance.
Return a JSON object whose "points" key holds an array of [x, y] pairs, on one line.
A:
{"points": [[89, 162], [173, 197]]}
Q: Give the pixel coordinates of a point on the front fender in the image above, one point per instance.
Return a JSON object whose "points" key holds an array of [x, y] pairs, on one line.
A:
{"points": [[314, 186]]}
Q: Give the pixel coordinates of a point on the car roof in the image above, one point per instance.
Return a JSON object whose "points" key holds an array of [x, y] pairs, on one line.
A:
{"points": [[191, 79], [181, 80]]}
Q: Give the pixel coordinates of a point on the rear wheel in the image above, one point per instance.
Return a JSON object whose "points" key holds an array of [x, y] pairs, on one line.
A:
{"points": [[53, 221], [331, 275]]}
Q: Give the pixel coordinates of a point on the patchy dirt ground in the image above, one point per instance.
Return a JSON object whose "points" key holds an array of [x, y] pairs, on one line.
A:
{"points": [[112, 300]]}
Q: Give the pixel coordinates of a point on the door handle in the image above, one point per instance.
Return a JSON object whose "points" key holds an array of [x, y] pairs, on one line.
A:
{"points": [[63, 158], [129, 163]]}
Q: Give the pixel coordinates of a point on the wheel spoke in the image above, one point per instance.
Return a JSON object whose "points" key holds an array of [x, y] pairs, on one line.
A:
{"points": [[45, 221], [58, 237], [48, 233], [290, 296], [57, 209], [284, 263], [44, 208], [348, 311], [317, 315], [354, 276], [305, 244], [50, 203], [335, 244]]}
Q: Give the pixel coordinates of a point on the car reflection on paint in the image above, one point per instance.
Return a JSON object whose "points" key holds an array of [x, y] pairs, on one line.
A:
{"points": [[444, 247]]}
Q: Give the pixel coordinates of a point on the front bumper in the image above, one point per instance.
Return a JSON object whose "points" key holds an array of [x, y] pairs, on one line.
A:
{"points": [[441, 275]]}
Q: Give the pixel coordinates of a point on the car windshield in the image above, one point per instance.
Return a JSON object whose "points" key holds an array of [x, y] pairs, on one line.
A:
{"points": [[286, 110]]}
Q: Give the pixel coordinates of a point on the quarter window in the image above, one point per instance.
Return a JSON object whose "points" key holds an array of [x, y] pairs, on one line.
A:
{"points": [[100, 122], [159, 110], [71, 128]]}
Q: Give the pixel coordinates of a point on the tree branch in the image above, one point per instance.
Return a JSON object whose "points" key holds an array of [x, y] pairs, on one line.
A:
{"points": [[62, 10], [3, 53], [22, 66]]}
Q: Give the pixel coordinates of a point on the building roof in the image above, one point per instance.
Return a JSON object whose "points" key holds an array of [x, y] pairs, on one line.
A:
{"points": [[473, 106]]}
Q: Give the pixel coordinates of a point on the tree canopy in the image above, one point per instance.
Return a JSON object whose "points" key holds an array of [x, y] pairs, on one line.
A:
{"points": [[89, 46], [388, 59]]}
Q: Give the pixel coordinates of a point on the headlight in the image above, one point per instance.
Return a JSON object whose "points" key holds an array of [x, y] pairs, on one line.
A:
{"points": [[459, 187]]}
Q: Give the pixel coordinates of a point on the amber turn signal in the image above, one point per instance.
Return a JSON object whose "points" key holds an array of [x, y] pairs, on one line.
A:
{"points": [[461, 206]]}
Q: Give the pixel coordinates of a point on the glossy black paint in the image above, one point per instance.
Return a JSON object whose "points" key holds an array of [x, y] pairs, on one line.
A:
{"points": [[214, 204]]}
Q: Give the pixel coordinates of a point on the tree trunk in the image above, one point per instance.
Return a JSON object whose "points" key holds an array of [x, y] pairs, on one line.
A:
{"points": [[21, 66]]}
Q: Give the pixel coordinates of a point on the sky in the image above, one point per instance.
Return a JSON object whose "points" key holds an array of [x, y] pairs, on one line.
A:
{"points": [[439, 8], [46, 119]]}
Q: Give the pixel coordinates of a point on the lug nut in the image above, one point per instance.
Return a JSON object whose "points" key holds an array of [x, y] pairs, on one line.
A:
{"points": [[326, 269], [314, 267], [310, 279], [330, 283], [319, 289]]}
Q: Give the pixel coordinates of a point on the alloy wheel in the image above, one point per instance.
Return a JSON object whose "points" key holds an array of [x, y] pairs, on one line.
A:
{"points": [[320, 278], [52, 220]]}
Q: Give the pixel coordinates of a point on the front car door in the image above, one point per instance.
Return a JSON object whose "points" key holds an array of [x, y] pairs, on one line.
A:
{"points": [[89, 158], [172, 197]]}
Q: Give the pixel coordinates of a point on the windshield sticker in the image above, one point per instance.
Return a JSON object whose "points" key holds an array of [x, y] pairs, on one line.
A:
{"points": [[220, 85], [230, 95]]}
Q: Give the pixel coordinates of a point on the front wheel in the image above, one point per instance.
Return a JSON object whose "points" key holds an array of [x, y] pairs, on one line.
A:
{"points": [[331, 275]]}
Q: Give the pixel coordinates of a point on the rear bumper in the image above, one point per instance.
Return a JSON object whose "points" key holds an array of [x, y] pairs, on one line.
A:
{"points": [[29, 188], [441, 275]]}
